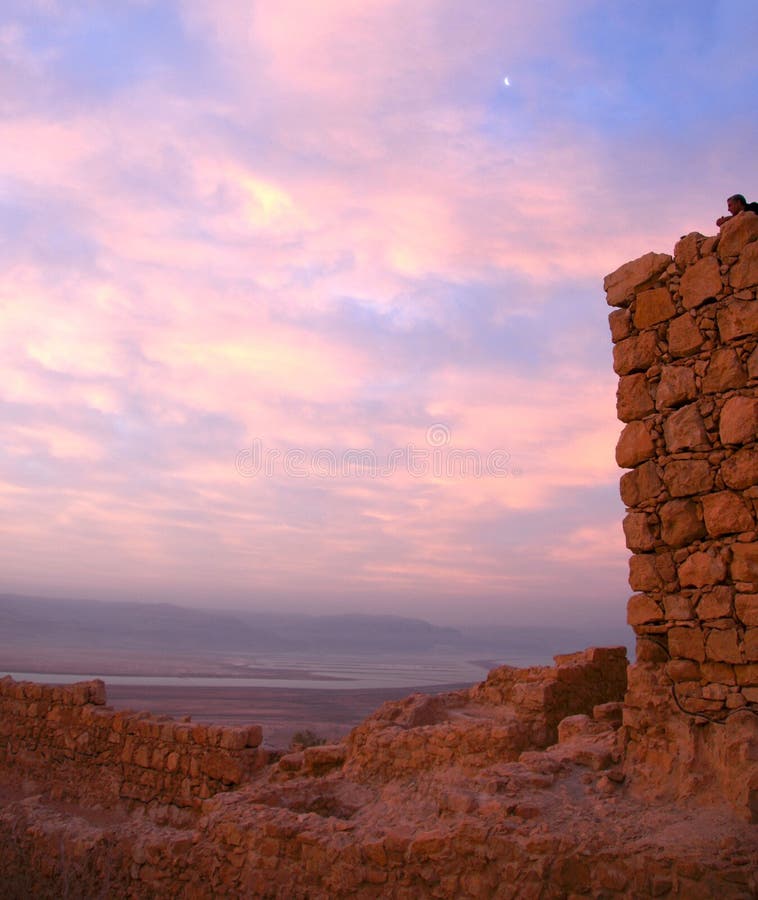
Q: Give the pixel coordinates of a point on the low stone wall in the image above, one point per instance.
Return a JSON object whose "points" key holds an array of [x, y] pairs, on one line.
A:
{"points": [[685, 335], [66, 739], [511, 711]]}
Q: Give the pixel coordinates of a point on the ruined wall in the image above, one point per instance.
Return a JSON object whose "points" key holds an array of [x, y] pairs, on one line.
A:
{"points": [[685, 332], [67, 739]]}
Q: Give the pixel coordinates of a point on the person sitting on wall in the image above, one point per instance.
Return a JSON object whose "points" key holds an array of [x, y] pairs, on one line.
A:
{"points": [[736, 204]]}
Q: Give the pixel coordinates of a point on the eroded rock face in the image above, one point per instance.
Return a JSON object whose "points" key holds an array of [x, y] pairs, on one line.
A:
{"points": [[691, 499]]}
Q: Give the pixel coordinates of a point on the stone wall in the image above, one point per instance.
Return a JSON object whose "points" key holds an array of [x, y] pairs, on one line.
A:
{"points": [[685, 331], [67, 739]]}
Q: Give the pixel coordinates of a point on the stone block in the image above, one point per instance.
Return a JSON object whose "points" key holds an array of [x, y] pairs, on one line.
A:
{"points": [[635, 354], [643, 575], [738, 423], [718, 672], [234, 738], [752, 364], [722, 645], [683, 670], [687, 643], [681, 522], [684, 477], [746, 607], [638, 532], [677, 607], [641, 609], [686, 249], [716, 603], [634, 445], [684, 430], [620, 322], [725, 372], [652, 307], [751, 645], [744, 565], [633, 400], [701, 569], [740, 470], [700, 281], [726, 513], [744, 273], [621, 284], [254, 736], [677, 386], [747, 674], [684, 337], [739, 318], [735, 234], [641, 484]]}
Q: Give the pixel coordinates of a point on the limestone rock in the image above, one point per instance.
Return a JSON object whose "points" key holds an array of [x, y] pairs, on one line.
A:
{"points": [[684, 477], [654, 306], [634, 445], [686, 249], [735, 234], [635, 354], [684, 337], [740, 471], [620, 322], [633, 400], [725, 371], [677, 386], [641, 484], [685, 430], [681, 522], [739, 420], [744, 273], [738, 318], [700, 282], [687, 643], [746, 607], [726, 513], [745, 562], [702, 569], [638, 532], [621, 284]]}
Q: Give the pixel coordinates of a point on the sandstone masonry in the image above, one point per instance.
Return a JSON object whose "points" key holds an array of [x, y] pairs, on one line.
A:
{"points": [[685, 333]]}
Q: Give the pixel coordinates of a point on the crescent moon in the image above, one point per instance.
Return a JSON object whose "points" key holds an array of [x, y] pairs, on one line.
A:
{"points": [[507, 81]]}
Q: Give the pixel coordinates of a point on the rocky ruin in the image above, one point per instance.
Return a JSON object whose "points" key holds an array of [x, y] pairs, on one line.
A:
{"points": [[589, 778]]}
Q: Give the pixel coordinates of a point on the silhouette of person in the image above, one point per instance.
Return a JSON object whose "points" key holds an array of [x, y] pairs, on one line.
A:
{"points": [[735, 204]]}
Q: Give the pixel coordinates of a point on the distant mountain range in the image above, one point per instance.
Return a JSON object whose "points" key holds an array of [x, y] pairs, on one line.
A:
{"points": [[151, 627]]}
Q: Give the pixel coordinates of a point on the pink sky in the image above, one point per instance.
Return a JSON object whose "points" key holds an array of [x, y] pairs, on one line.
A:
{"points": [[323, 229]]}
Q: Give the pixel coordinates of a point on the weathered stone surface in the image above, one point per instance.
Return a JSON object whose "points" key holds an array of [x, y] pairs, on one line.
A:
{"points": [[716, 603], [737, 319], [726, 513], [725, 371], [739, 420], [681, 522], [642, 608], [745, 562], [686, 249], [638, 532], [621, 284], [684, 430], [752, 364], [620, 322], [683, 670], [641, 484], [633, 400], [700, 282], [684, 337], [643, 575], [635, 354], [677, 607], [677, 386], [740, 470], [750, 646], [687, 643], [700, 569], [684, 477], [653, 306], [735, 234], [744, 273], [746, 607], [634, 445], [722, 645]]}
